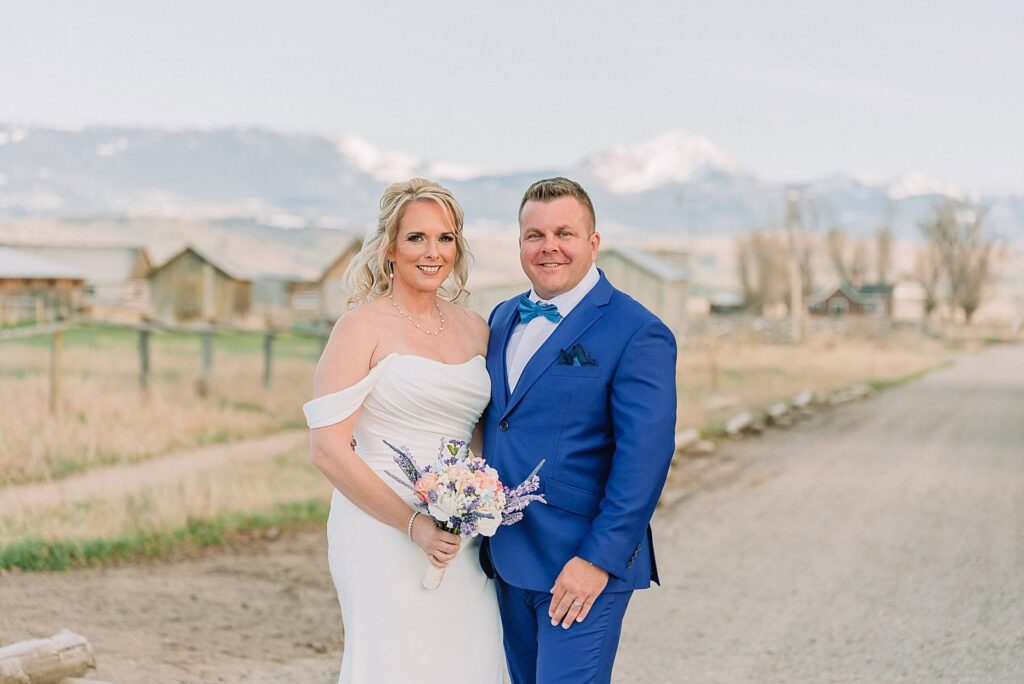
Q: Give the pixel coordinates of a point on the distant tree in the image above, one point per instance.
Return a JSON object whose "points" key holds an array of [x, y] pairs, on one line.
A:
{"points": [[849, 256], [928, 273], [761, 257], [835, 243], [859, 264], [883, 254], [802, 221], [967, 252]]}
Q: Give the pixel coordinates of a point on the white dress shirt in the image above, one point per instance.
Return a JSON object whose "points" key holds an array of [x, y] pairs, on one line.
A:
{"points": [[527, 338]]}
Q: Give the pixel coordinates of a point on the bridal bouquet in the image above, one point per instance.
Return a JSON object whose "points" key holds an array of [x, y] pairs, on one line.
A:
{"points": [[463, 495]]}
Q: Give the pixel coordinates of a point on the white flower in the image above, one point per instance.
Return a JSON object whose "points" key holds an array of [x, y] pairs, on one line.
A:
{"points": [[445, 507], [488, 526]]}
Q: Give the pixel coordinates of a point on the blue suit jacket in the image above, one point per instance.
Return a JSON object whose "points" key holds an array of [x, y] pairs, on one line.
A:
{"points": [[606, 432]]}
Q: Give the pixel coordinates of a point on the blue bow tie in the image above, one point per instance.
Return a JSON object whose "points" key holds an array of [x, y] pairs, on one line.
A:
{"points": [[529, 310]]}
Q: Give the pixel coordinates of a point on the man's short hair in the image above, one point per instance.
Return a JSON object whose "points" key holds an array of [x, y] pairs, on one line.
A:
{"points": [[553, 188]]}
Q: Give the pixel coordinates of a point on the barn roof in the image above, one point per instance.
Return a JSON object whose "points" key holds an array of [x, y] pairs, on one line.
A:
{"points": [[649, 262], [97, 264], [822, 295], [203, 257], [19, 264]]}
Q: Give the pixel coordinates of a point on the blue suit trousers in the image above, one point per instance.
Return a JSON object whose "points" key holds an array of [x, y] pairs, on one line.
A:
{"points": [[539, 653]]}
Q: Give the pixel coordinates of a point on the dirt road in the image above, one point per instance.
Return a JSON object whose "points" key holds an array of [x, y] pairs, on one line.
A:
{"points": [[883, 541]]}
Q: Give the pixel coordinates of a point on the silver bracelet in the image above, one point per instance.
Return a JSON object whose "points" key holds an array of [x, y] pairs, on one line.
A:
{"points": [[412, 519]]}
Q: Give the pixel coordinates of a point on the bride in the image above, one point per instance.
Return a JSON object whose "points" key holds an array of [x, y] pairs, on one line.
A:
{"points": [[407, 366]]}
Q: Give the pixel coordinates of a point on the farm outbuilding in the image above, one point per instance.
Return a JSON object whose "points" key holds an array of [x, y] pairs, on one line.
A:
{"points": [[34, 288], [326, 297], [190, 286], [654, 281], [115, 276], [874, 300]]}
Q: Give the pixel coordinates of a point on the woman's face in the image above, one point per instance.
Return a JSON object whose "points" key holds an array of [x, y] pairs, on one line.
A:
{"points": [[425, 251]]}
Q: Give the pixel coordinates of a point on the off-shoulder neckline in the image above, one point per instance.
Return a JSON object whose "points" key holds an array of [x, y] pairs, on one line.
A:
{"points": [[425, 358]]}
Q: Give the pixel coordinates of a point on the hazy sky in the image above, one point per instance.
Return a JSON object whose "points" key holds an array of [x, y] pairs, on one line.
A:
{"points": [[790, 90]]}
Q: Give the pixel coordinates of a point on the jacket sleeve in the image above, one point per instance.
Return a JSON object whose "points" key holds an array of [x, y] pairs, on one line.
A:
{"points": [[643, 415]]}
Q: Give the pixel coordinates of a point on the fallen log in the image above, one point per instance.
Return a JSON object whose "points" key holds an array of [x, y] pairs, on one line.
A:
{"points": [[46, 661]]}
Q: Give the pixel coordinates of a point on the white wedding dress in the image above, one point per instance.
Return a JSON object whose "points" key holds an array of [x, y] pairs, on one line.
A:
{"points": [[395, 630]]}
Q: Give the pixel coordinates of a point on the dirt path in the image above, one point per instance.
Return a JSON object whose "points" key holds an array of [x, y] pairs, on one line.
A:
{"points": [[884, 542], [123, 479], [880, 542]]}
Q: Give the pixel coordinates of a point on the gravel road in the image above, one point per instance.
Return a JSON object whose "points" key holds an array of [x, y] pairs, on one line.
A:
{"points": [[882, 542]]}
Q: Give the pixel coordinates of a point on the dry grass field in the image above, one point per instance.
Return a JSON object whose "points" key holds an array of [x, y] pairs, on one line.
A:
{"points": [[103, 417], [104, 421], [718, 378]]}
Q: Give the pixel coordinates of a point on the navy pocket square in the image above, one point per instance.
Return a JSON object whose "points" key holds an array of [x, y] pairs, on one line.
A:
{"points": [[575, 356]]}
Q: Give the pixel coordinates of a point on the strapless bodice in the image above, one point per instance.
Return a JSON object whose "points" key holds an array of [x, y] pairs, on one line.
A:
{"points": [[409, 401]]}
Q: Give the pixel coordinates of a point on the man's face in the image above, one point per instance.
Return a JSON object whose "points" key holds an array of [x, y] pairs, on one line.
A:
{"points": [[556, 247]]}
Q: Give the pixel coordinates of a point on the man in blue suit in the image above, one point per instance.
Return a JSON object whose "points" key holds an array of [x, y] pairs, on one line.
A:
{"points": [[584, 377]]}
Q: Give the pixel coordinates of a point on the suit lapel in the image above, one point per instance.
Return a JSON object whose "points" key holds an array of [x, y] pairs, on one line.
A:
{"points": [[579, 320], [499, 376]]}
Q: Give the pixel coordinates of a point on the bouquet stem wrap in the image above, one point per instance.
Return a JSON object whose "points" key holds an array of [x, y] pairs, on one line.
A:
{"points": [[433, 575]]}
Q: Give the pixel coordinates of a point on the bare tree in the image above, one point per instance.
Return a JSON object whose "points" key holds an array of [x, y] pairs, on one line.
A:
{"points": [[761, 257], [802, 219], [928, 272], [966, 251], [883, 248], [835, 242], [859, 264], [849, 257]]}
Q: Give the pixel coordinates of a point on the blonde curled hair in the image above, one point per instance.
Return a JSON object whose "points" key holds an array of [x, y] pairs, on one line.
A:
{"points": [[367, 275]]}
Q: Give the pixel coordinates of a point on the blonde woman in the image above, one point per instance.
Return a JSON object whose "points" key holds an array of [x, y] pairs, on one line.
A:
{"points": [[405, 365]]}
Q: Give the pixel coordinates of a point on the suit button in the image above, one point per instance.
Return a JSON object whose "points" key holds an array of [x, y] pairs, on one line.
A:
{"points": [[503, 425]]}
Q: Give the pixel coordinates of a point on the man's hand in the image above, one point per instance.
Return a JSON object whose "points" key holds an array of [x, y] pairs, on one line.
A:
{"points": [[575, 590]]}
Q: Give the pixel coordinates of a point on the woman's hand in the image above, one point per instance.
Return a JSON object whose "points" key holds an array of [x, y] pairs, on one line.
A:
{"points": [[440, 546]]}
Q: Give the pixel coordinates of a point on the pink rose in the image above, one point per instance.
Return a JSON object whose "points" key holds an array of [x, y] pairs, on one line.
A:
{"points": [[427, 483]]}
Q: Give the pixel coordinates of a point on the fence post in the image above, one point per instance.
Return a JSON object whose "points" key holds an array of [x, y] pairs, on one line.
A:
{"points": [[268, 343], [203, 386], [56, 362], [144, 360]]}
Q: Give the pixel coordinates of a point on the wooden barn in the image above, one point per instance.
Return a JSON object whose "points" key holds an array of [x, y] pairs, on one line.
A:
{"points": [[874, 300], [656, 282], [115, 277], [34, 288], [326, 297], [191, 287]]}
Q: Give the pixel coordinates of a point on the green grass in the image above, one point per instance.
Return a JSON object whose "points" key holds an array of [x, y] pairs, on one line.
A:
{"points": [[86, 336], [59, 555], [882, 384]]}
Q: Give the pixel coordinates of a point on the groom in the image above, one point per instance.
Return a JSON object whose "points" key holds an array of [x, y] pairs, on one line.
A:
{"points": [[584, 377]]}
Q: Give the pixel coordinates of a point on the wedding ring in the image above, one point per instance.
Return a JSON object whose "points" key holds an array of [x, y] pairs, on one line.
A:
{"points": [[577, 602]]}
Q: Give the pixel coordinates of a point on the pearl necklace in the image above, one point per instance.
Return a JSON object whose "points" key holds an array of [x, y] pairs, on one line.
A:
{"points": [[413, 321]]}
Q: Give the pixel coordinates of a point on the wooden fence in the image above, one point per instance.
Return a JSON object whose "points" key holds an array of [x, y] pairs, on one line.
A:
{"points": [[206, 332]]}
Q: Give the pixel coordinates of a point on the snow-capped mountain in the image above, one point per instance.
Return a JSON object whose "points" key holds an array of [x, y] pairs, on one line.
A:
{"points": [[917, 184], [390, 166], [676, 182], [674, 157]]}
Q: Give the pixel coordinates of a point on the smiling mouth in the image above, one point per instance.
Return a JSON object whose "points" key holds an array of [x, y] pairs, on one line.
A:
{"points": [[551, 265], [429, 270]]}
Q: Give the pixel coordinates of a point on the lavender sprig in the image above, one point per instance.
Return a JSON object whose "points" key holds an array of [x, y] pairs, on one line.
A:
{"points": [[404, 460], [521, 496]]}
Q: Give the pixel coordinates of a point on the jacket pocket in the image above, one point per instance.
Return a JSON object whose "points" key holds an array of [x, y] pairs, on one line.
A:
{"points": [[572, 499], [567, 371]]}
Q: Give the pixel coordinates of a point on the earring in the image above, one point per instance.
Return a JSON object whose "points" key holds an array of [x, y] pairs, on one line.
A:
{"points": [[391, 269]]}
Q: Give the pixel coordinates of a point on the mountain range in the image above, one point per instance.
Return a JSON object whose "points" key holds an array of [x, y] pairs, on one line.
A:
{"points": [[676, 183]]}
